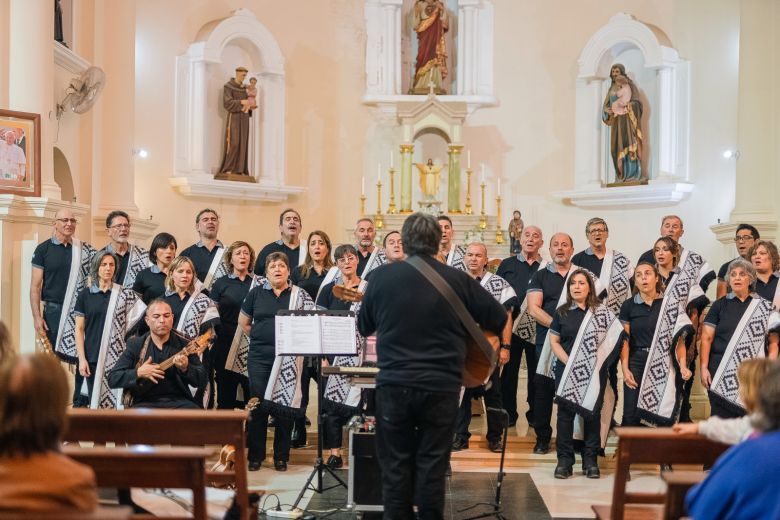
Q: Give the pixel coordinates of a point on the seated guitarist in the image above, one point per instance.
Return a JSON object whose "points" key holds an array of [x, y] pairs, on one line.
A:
{"points": [[150, 386]]}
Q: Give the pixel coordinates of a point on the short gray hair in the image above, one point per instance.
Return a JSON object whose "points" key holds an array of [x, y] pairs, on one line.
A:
{"points": [[741, 263]]}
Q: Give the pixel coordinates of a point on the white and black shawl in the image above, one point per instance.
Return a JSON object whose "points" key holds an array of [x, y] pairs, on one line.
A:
{"points": [[524, 326], [81, 257], [239, 347]]}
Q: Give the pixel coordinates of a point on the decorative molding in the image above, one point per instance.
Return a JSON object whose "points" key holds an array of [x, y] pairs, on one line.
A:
{"points": [[431, 112], [205, 186], [725, 231], [36, 210], [653, 194], [69, 60]]}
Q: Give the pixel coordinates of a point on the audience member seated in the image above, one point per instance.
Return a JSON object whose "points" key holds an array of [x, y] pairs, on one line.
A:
{"points": [[6, 345], [34, 475], [750, 375], [742, 484]]}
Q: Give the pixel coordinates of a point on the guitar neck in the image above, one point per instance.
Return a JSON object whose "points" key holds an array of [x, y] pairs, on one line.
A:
{"points": [[168, 363]]}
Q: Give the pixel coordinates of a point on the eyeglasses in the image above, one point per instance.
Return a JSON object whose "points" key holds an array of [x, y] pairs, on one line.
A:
{"points": [[346, 259], [743, 238], [119, 226], [597, 231], [67, 220]]}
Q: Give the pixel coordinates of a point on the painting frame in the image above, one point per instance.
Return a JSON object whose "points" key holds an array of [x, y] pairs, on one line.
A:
{"points": [[20, 138]]}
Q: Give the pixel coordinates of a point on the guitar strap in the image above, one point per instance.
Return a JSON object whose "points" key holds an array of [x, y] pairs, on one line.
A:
{"points": [[127, 397], [455, 303]]}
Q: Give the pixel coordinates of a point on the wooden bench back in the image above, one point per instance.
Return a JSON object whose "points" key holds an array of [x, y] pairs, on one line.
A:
{"points": [[655, 446], [144, 466], [175, 427]]}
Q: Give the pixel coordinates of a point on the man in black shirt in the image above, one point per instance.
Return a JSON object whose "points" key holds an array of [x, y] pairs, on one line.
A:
{"points": [[289, 243], [164, 389], [421, 352], [365, 234], [206, 254], [517, 270], [132, 258], [744, 238], [544, 297]]}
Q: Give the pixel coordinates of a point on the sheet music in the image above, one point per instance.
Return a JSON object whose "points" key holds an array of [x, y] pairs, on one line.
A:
{"points": [[338, 335]]}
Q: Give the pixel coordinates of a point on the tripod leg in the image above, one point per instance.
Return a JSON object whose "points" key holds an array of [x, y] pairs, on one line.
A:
{"points": [[306, 487]]}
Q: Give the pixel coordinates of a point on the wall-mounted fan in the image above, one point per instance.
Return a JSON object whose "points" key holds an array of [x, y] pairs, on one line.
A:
{"points": [[82, 92]]}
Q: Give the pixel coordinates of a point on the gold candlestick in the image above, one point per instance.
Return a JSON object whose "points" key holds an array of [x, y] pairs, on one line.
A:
{"points": [[468, 209], [482, 215], [378, 222], [499, 233], [363, 205], [391, 209]]}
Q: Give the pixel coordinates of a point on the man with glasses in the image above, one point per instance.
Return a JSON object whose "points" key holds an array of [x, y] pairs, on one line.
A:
{"points": [[289, 243], [141, 361], [60, 266], [746, 235], [206, 254], [132, 258]]}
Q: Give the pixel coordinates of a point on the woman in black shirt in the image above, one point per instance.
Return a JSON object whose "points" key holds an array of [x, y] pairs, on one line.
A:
{"points": [[150, 282], [639, 316], [766, 260], [229, 292]]}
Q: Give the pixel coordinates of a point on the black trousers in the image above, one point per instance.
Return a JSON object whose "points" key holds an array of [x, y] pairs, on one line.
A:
{"points": [[543, 403], [687, 386], [637, 359], [308, 374], [184, 404], [414, 440], [494, 405], [332, 432], [564, 441], [227, 387], [51, 316], [90, 381], [257, 429], [511, 375]]}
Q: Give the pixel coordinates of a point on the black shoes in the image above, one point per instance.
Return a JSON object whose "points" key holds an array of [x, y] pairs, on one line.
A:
{"points": [[280, 465], [334, 462], [254, 465], [592, 472], [495, 446], [563, 472], [666, 467], [460, 444], [541, 447]]}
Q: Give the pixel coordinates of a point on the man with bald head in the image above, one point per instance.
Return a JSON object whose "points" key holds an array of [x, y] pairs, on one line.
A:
{"points": [[60, 266], [545, 294], [518, 270]]}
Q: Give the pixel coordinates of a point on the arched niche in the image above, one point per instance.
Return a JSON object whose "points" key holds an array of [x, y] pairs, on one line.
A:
{"points": [[210, 61], [663, 80], [63, 176]]}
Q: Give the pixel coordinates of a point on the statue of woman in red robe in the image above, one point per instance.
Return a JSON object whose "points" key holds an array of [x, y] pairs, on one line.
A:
{"points": [[430, 21]]}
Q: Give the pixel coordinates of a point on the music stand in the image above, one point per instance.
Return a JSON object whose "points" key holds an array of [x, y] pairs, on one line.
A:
{"points": [[319, 464]]}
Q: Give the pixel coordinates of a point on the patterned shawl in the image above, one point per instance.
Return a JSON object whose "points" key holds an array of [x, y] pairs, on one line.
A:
{"points": [[138, 261], [456, 258], [65, 346], [659, 399], [525, 326], [595, 348], [125, 308], [747, 342], [283, 392], [377, 258], [616, 273], [217, 270], [340, 397], [239, 348]]}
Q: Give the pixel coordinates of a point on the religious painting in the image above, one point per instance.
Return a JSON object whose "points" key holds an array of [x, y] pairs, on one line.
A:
{"points": [[20, 153]]}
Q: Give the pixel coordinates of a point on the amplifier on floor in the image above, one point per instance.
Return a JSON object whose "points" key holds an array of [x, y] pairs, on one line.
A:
{"points": [[365, 478]]}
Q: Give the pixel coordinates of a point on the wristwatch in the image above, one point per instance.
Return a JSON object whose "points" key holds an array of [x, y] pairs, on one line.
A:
{"points": [[505, 346]]}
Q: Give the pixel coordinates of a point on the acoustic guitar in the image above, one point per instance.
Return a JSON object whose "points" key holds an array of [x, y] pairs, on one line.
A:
{"points": [[347, 294], [227, 455], [45, 345]]}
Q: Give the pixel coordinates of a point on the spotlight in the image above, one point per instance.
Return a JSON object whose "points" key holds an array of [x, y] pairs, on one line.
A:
{"points": [[141, 152], [728, 154]]}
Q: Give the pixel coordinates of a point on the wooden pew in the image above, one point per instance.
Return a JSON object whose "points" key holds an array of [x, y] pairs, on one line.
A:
{"points": [[145, 466], [652, 446], [101, 513], [176, 427], [677, 485]]}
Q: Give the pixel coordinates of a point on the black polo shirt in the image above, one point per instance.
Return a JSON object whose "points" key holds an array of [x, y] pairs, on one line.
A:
{"points": [[276, 247], [767, 290], [54, 258], [642, 320], [150, 284], [589, 261], [121, 268], [420, 340], [328, 301], [518, 272], [567, 327], [201, 257], [550, 283], [705, 281], [724, 316], [261, 304], [362, 260], [228, 292], [92, 305], [311, 284], [723, 271]]}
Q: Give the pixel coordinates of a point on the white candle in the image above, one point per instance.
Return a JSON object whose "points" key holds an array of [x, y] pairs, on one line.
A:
{"points": [[391, 159], [499, 186], [363, 185], [468, 159], [482, 169], [378, 172]]}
